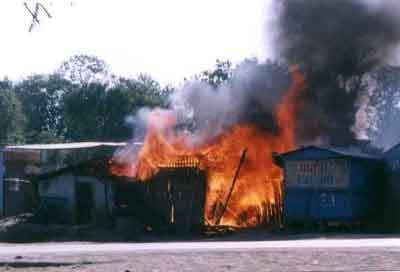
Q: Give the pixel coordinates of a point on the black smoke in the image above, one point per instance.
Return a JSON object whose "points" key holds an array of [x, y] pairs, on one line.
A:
{"points": [[336, 43], [250, 96]]}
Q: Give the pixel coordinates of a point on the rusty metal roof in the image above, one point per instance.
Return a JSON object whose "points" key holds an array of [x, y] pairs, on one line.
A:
{"points": [[60, 146]]}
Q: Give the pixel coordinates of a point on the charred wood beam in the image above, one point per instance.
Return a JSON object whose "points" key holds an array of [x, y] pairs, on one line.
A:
{"points": [[242, 159]]}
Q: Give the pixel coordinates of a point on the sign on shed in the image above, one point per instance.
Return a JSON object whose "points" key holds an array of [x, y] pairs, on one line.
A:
{"points": [[332, 173]]}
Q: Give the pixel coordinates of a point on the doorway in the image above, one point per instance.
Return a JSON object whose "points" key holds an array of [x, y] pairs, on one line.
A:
{"points": [[84, 202]]}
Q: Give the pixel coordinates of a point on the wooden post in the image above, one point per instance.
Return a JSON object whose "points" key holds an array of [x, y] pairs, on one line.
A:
{"points": [[242, 159]]}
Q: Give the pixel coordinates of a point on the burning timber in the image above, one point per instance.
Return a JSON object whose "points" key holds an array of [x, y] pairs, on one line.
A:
{"points": [[172, 200], [178, 196]]}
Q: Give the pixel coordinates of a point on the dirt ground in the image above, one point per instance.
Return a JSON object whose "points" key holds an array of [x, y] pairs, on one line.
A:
{"points": [[247, 260], [267, 259], [252, 250]]}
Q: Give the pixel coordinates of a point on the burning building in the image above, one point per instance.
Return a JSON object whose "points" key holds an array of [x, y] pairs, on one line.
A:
{"points": [[311, 95], [258, 182], [177, 194]]}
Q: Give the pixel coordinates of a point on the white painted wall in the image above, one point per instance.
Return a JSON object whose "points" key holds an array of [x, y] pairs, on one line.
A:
{"points": [[61, 187]]}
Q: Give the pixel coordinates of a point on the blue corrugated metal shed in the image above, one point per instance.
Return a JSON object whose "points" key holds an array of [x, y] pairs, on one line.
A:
{"points": [[392, 166], [327, 152], [327, 184], [2, 170]]}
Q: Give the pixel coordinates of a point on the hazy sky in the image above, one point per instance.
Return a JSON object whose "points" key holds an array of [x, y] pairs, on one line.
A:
{"points": [[169, 39]]}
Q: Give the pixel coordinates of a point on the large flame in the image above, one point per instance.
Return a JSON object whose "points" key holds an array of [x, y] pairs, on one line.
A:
{"points": [[258, 185]]}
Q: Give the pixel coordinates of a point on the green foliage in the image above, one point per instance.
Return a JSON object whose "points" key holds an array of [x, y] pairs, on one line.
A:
{"points": [[221, 73], [5, 84], [81, 101], [12, 118], [41, 97], [384, 106], [96, 112], [84, 69], [84, 112], [78, 102], [99, 104]]}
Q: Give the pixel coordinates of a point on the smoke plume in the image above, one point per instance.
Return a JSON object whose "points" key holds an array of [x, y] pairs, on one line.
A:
{"points": [[250, 97], [336, 43]]}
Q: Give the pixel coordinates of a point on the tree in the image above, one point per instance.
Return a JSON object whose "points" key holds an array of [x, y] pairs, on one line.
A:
{"points": [[5, 83], [82, 101], [384, 107], [41, 97], [98, 112], [146, 91], [84, 69], [221, 73], [83, 112], [12, 118]]}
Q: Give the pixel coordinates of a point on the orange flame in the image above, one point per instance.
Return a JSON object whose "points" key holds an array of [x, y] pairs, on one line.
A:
{"points": [[258, 185]]}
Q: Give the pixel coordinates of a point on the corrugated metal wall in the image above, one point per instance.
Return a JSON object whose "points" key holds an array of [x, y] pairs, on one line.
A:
{"points": [[392, 163], [319, 186], [2, 170]]}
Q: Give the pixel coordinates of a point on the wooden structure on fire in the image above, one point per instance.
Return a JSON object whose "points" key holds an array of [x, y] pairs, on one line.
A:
{"points": [[177, 194]]}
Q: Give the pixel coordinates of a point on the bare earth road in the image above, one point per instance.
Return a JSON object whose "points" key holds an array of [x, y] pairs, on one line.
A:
{"points": [[333, 254]]}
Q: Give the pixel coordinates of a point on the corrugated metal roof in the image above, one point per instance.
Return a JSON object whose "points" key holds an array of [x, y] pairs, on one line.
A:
{"points": [[352, 151], [76, 145], [390, 149]]}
